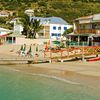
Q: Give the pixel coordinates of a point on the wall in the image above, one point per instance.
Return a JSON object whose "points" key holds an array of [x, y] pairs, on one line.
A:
{"points": [[30, 41], [58, 31]]}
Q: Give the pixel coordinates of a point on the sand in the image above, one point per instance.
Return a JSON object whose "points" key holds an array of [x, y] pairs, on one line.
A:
{"points": [[87, 73]]}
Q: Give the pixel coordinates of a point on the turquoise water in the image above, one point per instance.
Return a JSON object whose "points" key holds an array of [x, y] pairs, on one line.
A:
{"points": [[21, 86]]}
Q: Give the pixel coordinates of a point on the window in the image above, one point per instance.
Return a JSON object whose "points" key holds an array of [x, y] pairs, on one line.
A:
{"points": [[65, 28], [59, 28], [82, 26], [54, 27], [59, 35], [53, 34]]}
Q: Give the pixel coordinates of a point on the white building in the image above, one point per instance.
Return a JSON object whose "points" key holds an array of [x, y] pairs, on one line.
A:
{"points": [[53, 27], [18, 27], [3, 34]]}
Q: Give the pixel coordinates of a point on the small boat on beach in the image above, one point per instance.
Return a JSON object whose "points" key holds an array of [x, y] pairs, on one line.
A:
{"points": [[94, 59]]}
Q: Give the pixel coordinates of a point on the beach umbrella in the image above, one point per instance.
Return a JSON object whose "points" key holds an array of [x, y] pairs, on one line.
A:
{"points": [[30, 50], [24, 47], [21, 47], [36, 48]]}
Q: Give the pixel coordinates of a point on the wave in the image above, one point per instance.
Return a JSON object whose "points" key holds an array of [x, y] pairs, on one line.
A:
{"points": [[57, 78], [49, 76]]}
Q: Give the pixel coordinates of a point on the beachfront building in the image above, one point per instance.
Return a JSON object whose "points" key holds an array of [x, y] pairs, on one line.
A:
{"points": [[86, 30], [53, 27], [3, 34]]}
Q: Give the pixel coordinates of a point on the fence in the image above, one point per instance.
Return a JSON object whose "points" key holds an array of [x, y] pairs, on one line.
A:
{"points": [[72, 52]]}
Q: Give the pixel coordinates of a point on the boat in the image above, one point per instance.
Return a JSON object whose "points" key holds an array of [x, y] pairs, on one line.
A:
{"points": [[94, 59]]}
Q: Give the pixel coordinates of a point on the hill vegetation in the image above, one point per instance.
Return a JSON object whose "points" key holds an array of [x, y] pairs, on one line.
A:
{"points": [[69, 10]]}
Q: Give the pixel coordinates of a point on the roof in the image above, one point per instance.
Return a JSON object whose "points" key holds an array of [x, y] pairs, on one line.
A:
{"points": [[29, 11], [87, 19], [6, 13], [5, 30], [4, 35], [51, 20], [17, 35], [79, 34]]}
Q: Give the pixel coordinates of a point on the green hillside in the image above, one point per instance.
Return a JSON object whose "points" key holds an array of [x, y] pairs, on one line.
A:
{"points": [[67, 9]]}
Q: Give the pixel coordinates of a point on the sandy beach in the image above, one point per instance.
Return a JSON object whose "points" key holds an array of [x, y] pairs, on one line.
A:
{"points": [[86, 73], [83, 73]]}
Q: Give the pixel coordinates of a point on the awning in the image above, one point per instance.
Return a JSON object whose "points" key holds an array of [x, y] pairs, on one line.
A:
{"points": [[17, 35], [4, 35], [79, 35]]}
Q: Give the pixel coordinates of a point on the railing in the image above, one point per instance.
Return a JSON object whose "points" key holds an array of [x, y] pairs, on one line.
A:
{"points": [[72, 52], [86, 31], [78, 44]]}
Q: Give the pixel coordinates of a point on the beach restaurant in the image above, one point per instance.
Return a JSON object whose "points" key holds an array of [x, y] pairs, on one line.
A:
{"points": [[86, 31]]}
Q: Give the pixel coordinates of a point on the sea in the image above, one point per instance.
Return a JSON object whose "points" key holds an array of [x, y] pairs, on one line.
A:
{"points": [[16, 85]]}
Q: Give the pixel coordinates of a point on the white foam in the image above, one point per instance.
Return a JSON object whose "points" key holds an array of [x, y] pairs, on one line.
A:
{"points": [[15, 70], [49, 76], [57, 78]]}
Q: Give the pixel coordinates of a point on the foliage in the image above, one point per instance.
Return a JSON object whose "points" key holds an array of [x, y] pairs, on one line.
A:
{"points": [[31, 27], [35, 28], [68, 31], [69, 10]]}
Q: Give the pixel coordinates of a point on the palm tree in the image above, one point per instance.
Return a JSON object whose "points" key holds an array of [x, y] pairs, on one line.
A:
{"points": [[36, 27], [68, 31], [31, 28], [25, 21]]}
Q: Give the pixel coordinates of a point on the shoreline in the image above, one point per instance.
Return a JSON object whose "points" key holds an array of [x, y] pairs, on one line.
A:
{"points": [[61, 71], [83, 68], [76, 71]]}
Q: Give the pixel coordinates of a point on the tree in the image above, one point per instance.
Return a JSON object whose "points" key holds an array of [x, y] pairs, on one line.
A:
{"points": [[35, 27], [25, 21], [68, 31], [31, 28]]}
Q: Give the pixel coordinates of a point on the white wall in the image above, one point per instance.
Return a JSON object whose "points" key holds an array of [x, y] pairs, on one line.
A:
{"points": [[30, 41], [58, 31], [18, 28]]}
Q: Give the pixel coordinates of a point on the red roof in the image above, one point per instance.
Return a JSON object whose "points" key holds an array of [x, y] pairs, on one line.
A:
{"points": [[4, 35]]}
